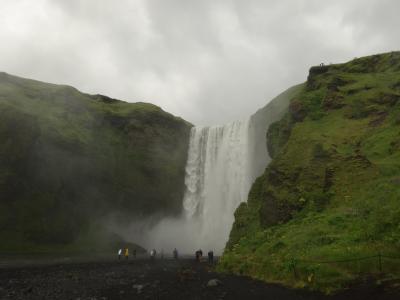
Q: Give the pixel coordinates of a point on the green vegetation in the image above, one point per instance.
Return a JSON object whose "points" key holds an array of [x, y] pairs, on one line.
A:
{"points": [[69, 161], [332, 190]]}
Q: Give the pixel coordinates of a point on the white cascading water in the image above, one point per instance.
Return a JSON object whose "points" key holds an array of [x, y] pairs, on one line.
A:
{"points": [[218, 179]]}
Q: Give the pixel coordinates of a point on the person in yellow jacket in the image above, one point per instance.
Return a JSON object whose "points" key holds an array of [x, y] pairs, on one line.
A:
{"points": [[126, 253]]}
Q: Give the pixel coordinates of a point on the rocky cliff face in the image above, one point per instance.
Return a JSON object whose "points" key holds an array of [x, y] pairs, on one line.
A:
{"points": [[331, 191], [68, 160]]}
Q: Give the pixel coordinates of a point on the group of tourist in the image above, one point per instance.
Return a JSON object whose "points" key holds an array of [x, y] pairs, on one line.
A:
{"points": [[126, 253], [199, 256], [153, 254]]}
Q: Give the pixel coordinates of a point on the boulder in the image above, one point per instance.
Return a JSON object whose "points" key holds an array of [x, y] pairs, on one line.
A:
{"points": [[214, 282]]}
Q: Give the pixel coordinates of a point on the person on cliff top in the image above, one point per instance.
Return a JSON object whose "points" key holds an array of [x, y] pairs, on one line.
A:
{"points": [[126, 253]]}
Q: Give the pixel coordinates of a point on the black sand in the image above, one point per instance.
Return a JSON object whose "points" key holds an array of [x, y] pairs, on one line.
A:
{"points": [[101, 279]]}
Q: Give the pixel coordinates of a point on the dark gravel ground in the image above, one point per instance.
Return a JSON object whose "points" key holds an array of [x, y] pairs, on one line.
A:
{"points": [[103, 279]]}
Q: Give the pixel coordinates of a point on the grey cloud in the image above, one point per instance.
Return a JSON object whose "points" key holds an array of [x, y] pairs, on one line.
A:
{"points": [[207, 61]]}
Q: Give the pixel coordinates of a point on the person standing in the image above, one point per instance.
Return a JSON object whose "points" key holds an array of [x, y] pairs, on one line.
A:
{"points": [[200, 255], [153, 254], [119, 254], [175, 254], [126, 253], [210, 257]]}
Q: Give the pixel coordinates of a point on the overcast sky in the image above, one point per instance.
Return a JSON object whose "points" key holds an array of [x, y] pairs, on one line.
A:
{"points": [[207, 61]]}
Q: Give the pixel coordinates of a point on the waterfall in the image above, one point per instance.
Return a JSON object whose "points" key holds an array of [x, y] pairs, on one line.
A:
{"points": [[219, 172], [223, 162], [218, 178]]}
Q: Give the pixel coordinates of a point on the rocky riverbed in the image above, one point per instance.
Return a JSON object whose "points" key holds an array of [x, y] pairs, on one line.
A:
{"points": [[106, 279]]}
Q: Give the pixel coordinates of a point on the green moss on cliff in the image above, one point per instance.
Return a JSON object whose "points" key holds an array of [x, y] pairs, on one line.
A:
{"points": [[70, 159], [332, 190]]}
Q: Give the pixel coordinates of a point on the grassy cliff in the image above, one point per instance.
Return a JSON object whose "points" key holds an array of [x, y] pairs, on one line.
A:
{"points": [[69, 160], [332, 190]]}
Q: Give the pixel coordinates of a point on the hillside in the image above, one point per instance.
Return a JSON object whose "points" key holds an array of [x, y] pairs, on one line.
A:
{"points": [[70, 161], [332, 190]]}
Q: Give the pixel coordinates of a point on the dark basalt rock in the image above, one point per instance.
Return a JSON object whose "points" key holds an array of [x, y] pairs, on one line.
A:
{"points": [[275, 212], [297, 110], [105, 99], [384, 99], [315, 71], [333, 101], [336, 83], [380, 118]]}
